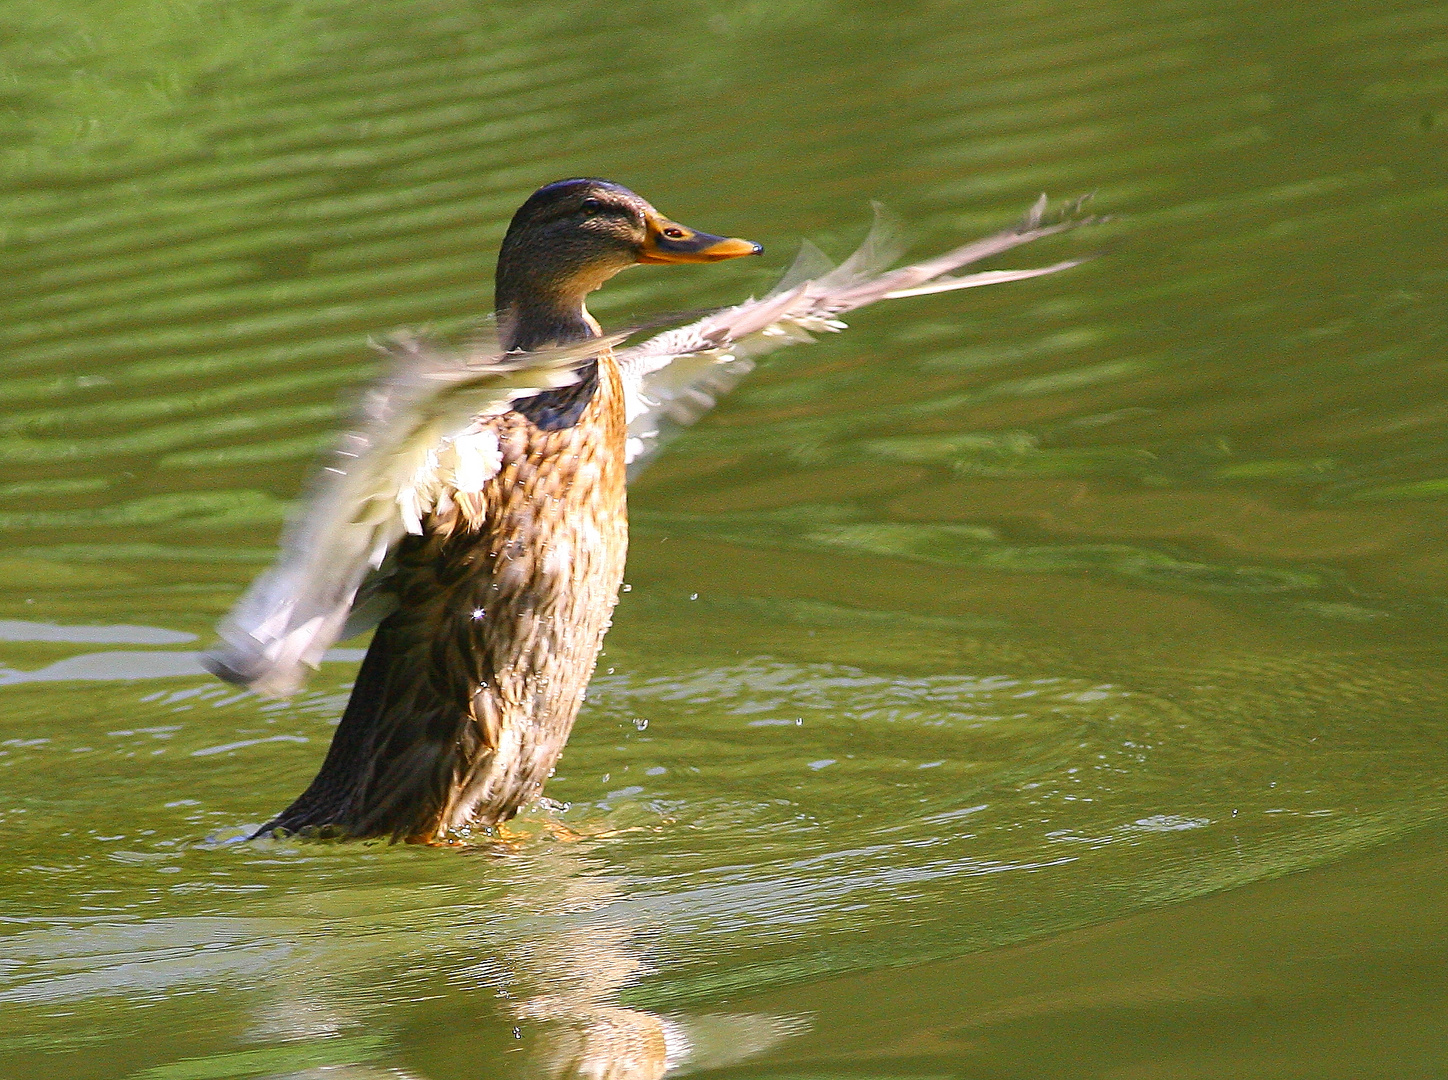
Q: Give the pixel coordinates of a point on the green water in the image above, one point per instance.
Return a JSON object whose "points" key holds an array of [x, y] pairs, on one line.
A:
{"points": [[1040, 681]]}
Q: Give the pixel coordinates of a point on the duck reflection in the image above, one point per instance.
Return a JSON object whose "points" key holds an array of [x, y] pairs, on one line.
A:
{"points": [[547, 956]]}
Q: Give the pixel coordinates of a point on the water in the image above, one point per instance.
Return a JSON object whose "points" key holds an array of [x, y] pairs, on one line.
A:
{"points": [[1042, 680]]}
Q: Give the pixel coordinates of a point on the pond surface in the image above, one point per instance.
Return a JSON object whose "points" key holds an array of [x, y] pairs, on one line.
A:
{"points": [[1044, 680]]}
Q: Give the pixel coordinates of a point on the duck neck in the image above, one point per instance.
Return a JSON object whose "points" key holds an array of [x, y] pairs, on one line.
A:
{"points": [[537, 311], [541, 314]]}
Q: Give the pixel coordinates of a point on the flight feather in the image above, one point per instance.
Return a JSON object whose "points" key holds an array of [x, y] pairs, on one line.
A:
{"points": [[420, 434]]}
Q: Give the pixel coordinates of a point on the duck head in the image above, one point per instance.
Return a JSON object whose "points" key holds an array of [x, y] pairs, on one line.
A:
{"points": [[568, 239]]}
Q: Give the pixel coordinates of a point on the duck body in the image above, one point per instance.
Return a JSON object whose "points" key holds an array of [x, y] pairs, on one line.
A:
{"points": [[477, 507], [470, 687]]}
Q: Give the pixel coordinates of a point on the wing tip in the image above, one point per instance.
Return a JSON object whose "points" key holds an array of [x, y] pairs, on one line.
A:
{"points": [[230, 666], [252, 672], [1068, 215]]}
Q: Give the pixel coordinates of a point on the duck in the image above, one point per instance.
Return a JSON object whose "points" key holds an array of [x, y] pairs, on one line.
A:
{"points": [[474, 513]]}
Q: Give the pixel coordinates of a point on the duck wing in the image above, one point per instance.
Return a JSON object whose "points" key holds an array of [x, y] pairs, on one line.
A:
{"points": [[674, 378], [419, 433], [423, 431]]}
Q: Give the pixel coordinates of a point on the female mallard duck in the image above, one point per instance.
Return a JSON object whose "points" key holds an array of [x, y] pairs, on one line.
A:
{"points": [[478, 509]]}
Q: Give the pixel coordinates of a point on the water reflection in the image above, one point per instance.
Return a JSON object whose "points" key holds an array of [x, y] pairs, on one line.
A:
{"points": [[127, 666], [21, 630], [539, 948]]}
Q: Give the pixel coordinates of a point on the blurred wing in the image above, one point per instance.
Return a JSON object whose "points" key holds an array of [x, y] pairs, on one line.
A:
{"points": [[420, 433], [674, 378], [423, 432]]}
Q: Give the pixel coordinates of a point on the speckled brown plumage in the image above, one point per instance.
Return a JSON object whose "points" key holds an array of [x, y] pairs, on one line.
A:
{"points": [[504, 590], [481, 496], [480, 499], [470, 688]]}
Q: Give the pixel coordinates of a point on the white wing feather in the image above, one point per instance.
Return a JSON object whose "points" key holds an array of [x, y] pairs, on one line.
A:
{"points": [[675, 378], [417, 435], [420, 433]]}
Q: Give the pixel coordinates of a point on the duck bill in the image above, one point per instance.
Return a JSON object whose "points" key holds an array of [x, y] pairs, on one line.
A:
{"points": [[670, 242]]}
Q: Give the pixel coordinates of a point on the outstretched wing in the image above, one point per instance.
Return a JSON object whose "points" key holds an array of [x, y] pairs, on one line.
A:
{"points": [[419, 434], [422, 433], [675, 378]]}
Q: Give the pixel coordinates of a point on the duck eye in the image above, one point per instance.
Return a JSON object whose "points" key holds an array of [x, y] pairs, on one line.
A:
{"points": [[674, 234], [589, 207]]}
